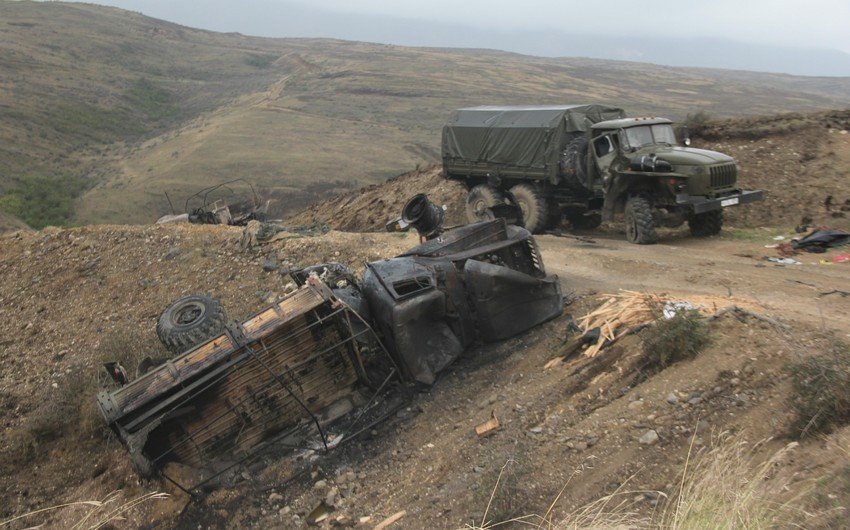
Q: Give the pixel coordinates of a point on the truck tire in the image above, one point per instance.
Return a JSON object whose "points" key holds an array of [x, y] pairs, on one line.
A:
{"points": [[575, 158], [640, 226], [586, 222], [480, 198], [190, 321], [535, 209], [706, 224]]}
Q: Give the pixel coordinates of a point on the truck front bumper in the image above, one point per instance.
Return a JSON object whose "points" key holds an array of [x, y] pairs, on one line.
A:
{"points": [[702, 204]]}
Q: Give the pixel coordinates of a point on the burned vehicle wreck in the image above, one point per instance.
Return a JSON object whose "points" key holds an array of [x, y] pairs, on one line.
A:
{"points": [[331, 359]]}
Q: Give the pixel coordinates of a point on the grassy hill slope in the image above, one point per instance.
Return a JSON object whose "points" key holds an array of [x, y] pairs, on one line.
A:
{"points": [[103, 110], [79, 82]]}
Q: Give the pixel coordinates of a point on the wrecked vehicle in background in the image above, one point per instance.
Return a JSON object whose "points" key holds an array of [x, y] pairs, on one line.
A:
{"points": [[238, 211], [331, 359]]}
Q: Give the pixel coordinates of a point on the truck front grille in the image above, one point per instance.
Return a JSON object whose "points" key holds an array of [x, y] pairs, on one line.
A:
{"points": [[724, 176]]}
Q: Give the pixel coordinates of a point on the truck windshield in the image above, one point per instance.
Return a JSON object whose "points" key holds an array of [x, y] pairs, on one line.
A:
{"points": [[650, 135]]}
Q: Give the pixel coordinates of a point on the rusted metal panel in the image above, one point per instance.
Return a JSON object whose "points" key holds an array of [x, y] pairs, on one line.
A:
{"points": [[189, 364], [223, 401]]}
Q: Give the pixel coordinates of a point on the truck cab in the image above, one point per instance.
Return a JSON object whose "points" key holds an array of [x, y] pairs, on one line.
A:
{"points": [[639, 160]]}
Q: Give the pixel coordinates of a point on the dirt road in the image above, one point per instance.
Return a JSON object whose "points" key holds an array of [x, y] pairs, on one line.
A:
{"points": [[719, 270]]}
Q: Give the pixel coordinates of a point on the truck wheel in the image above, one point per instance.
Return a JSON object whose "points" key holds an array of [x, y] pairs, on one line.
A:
{"points": [[640, 227], [706, 224], [480, 198], [586, 222], [535, 209], [190, 321], [575, 158]]}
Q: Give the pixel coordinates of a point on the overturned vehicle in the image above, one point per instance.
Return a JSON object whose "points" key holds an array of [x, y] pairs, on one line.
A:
{"points": [[329, 360]]}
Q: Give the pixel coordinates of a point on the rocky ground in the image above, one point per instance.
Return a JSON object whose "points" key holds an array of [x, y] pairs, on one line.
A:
{"points": [[73, 298]]}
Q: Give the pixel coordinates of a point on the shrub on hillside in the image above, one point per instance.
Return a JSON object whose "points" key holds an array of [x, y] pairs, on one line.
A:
{"points": [[697, 122], [819, 396], [674, 339], [71, 411]]}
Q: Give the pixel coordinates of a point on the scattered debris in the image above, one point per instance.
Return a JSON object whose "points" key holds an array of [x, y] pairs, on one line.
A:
{"points": [[671, 308], [620, 315], [821, 239], [782, 261], [488, 427], [321, 512], [560, 233], [392, 519]]}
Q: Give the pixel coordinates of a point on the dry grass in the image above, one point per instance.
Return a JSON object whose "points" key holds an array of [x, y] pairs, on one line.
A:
{"points": [[731, 486], [819, 397], [96, 514], [728, 486], [72, 413]]}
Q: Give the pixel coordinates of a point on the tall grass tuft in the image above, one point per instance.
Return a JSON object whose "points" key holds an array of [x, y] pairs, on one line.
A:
{"points": [[819, 394]]}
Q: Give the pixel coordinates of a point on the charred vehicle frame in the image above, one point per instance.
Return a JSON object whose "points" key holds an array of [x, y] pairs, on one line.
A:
{"points": [[332, 358]]}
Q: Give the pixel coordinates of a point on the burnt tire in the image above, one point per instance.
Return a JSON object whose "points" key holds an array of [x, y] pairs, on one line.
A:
{"points": [[586, 222], [190, 321], [706, 224], [640, 226], [479, 200], [534, 207], [575, 157]]}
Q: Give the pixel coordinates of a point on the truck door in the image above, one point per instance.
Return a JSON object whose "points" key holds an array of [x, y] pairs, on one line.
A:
{"points": [[604, 151]]}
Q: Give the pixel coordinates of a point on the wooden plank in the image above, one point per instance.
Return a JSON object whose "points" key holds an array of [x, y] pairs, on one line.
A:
{"points": [[193, 362], [489, 427]]}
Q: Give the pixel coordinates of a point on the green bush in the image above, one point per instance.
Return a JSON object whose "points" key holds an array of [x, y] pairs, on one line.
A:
{"points": [[154, 101], [43, 200], [260, 60], [819, 396], [674, 339], [697, 122]]}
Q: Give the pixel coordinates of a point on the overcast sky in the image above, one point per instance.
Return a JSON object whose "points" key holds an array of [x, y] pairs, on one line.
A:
{"points": [[511, 25], [794, 23]]}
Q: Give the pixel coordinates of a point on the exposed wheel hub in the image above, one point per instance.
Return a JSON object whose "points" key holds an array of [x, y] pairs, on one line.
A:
{"points": [[188, 314]]}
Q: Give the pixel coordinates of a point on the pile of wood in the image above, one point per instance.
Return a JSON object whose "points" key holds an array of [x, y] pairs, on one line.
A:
{"points": [[620, 315]]}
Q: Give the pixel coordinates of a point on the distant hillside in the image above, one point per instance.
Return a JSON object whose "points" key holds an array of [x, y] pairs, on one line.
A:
{"points": [[104, 110], [10, 223]]}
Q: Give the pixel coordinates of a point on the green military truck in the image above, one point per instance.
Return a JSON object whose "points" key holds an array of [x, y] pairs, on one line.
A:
{"points": [[587, 163]]}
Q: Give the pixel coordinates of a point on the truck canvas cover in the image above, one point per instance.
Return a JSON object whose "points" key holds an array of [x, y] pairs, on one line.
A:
{"points": [[523, 136]]}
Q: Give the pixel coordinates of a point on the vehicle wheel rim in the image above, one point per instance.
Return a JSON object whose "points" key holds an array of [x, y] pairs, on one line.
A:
{"points": [[478, 207], [188, 314]]}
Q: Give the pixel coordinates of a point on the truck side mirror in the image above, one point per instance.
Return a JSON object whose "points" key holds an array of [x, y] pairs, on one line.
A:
{"points": [[684, 135]]}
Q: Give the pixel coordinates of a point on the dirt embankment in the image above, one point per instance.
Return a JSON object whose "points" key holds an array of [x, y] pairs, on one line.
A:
{"points": [[802, 161], [369, 209]]}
